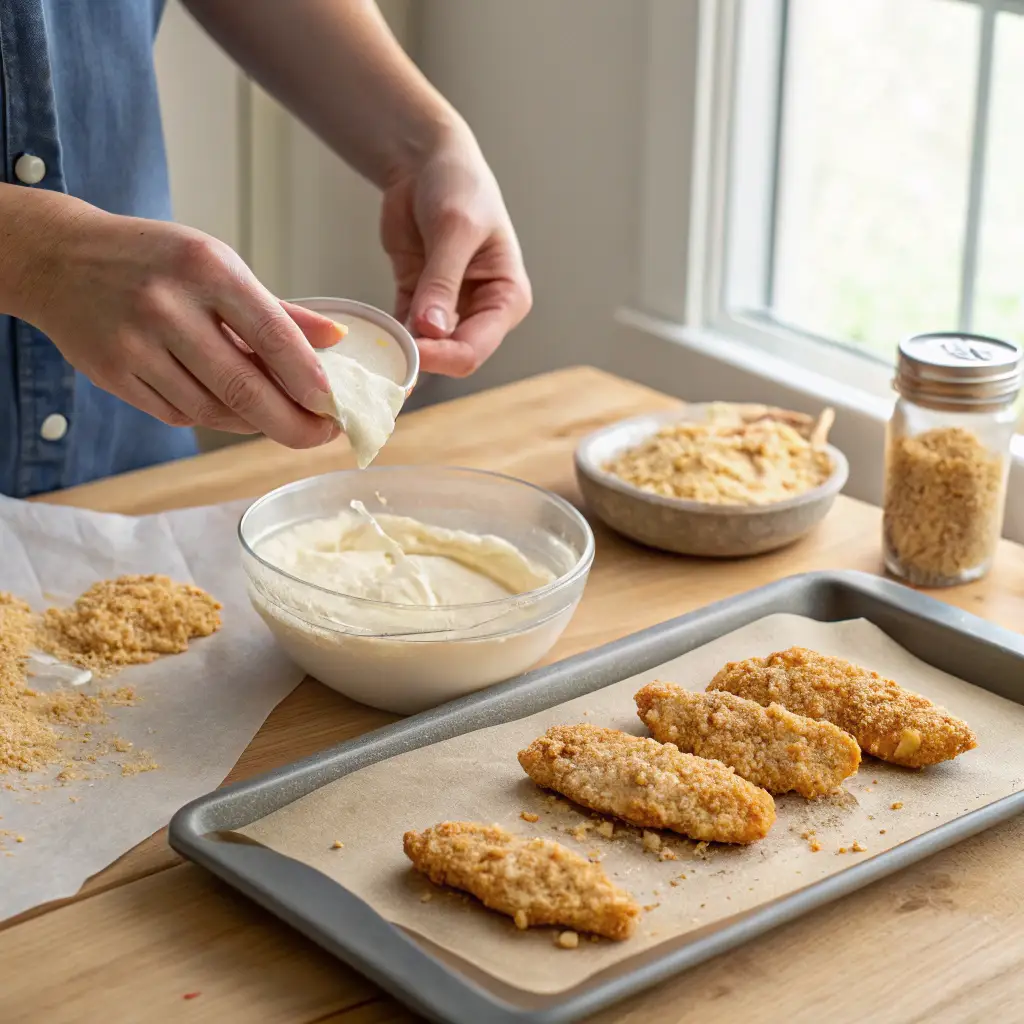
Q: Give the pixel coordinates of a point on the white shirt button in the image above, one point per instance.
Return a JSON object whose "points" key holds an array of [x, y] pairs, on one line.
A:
{"points": [[30, 169], [54, 427]]}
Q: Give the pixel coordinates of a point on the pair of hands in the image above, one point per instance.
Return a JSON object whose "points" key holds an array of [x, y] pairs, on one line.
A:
{"points": [[173, 321]]}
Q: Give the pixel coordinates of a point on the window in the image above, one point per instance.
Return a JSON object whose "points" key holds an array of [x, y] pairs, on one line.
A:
{"points": [[874, 170]]}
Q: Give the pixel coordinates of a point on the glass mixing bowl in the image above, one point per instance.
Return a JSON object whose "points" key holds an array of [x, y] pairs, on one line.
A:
{"points": [[419, 659]]}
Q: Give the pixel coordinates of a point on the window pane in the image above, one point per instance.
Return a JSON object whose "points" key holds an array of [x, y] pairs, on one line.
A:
{"points": [[873, 175], [999, 296]]}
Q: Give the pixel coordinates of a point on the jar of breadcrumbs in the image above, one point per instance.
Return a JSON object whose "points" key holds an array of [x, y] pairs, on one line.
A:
{"points": [[947, 456]]}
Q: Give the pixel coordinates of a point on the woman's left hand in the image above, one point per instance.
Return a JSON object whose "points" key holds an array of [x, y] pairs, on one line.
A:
{"points": [[461, 284]]}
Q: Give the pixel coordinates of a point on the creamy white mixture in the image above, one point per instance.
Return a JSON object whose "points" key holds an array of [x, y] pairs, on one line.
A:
{"points": [[365, 403], [401, 562], [403, 623], [362, 371]]}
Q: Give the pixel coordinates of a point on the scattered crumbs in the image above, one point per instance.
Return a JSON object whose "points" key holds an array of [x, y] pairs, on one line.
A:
{"points": [[874, 782], [868, 789], [337, 845], [594, 938], [121, 746], [594, 856], [652, 841], [567, 940], [683, 876], [19, 839], [522, 922], [842, 849], [8, 854], [674, 882], [857, 848], [191, 995], [814, 847], [700, 850], [881, 831], [74, 799], [703, 905], [606, 829], [668, 855], [898, 805], [529, 816], [651, 906], [426, 897], [580, 831], [137, 767], [871, 817]]}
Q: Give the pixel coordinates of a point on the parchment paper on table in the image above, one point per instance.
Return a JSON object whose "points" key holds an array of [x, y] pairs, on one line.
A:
{"points": [[195, 712]]}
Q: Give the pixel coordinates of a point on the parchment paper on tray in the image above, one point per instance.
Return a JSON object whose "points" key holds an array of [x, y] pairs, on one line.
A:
{"points": [[197, 711], [685, 887]]}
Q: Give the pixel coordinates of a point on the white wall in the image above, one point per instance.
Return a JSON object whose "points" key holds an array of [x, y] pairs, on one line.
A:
{"points": [[554, 92]]}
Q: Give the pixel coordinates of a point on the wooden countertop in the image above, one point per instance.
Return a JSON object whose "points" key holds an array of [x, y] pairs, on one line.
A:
{"points": [[938, 942]]}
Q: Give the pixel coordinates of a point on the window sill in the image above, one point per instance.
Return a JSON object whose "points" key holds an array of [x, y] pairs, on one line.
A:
{"points": [[700, 364]]}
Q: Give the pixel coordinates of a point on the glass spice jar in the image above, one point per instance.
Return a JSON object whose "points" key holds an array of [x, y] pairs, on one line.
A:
{"points": [[947, 456]]}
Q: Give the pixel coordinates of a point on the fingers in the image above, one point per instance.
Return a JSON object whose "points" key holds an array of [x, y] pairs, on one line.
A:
{"points": [[433, 311], [264, 326], [137, 392], [494, 309], [175, 386], [243, 384], [320, 331]]}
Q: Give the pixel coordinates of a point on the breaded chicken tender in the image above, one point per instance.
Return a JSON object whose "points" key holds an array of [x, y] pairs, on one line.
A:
{"points": [[649, 784], [887, 721], [771, 747], [533, 881]]}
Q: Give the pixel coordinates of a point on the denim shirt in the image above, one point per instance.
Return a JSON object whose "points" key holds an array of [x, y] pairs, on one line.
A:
{"points": [[79, 94]]}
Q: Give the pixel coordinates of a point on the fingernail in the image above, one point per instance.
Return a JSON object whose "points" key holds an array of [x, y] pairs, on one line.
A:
{"points": [[320, 402], [340, 330], [436, 317]]}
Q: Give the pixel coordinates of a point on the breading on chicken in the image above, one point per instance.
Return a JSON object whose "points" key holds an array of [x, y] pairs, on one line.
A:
{"points": [[533, 881], [649, 784], [887, 721], [769, 746]]}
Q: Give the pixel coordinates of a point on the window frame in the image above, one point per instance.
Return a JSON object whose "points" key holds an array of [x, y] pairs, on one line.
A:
{"points": [[693, 210]]}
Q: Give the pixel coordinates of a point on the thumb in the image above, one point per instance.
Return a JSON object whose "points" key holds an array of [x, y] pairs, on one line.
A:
{"points": [[320, 331], [434, 308]]}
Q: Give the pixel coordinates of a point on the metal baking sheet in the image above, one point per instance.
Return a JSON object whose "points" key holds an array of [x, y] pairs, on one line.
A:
{"points": [[428, 981]]}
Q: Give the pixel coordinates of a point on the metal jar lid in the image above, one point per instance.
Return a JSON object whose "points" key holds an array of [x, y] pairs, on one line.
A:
{"points": [[954, 370]]}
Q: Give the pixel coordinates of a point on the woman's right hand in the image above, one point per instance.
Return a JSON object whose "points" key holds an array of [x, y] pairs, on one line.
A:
{"points": [[172, 321]]}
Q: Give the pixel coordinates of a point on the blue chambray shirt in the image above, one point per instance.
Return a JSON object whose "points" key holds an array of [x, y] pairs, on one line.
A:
{"points": [[79, 92]]}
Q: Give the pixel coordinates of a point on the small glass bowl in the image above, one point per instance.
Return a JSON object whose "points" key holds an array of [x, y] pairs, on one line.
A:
{"points": [[352, 645]]}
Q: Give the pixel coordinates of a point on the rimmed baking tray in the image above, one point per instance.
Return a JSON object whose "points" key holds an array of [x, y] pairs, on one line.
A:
{"points": [[442, 988]]}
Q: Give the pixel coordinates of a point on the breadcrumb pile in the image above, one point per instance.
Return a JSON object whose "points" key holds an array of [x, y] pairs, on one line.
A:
{"points": [[131, 620], [943, 504], [127, 621], [726, 463]]}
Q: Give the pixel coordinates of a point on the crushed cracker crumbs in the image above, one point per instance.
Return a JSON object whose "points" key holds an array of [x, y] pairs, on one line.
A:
{"points": [[858, 848], [815, 847], [114, 623], [567, 940], [897, 806], [943, 504], [337, 845], [651, 841], [529, 816], [522, 922], [606, 829], [743, 457], [131, 620], [648, 907], [881, 831]]}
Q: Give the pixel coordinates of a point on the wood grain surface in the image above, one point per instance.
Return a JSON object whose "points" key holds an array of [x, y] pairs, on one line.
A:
{"points": [[942, 941]]}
